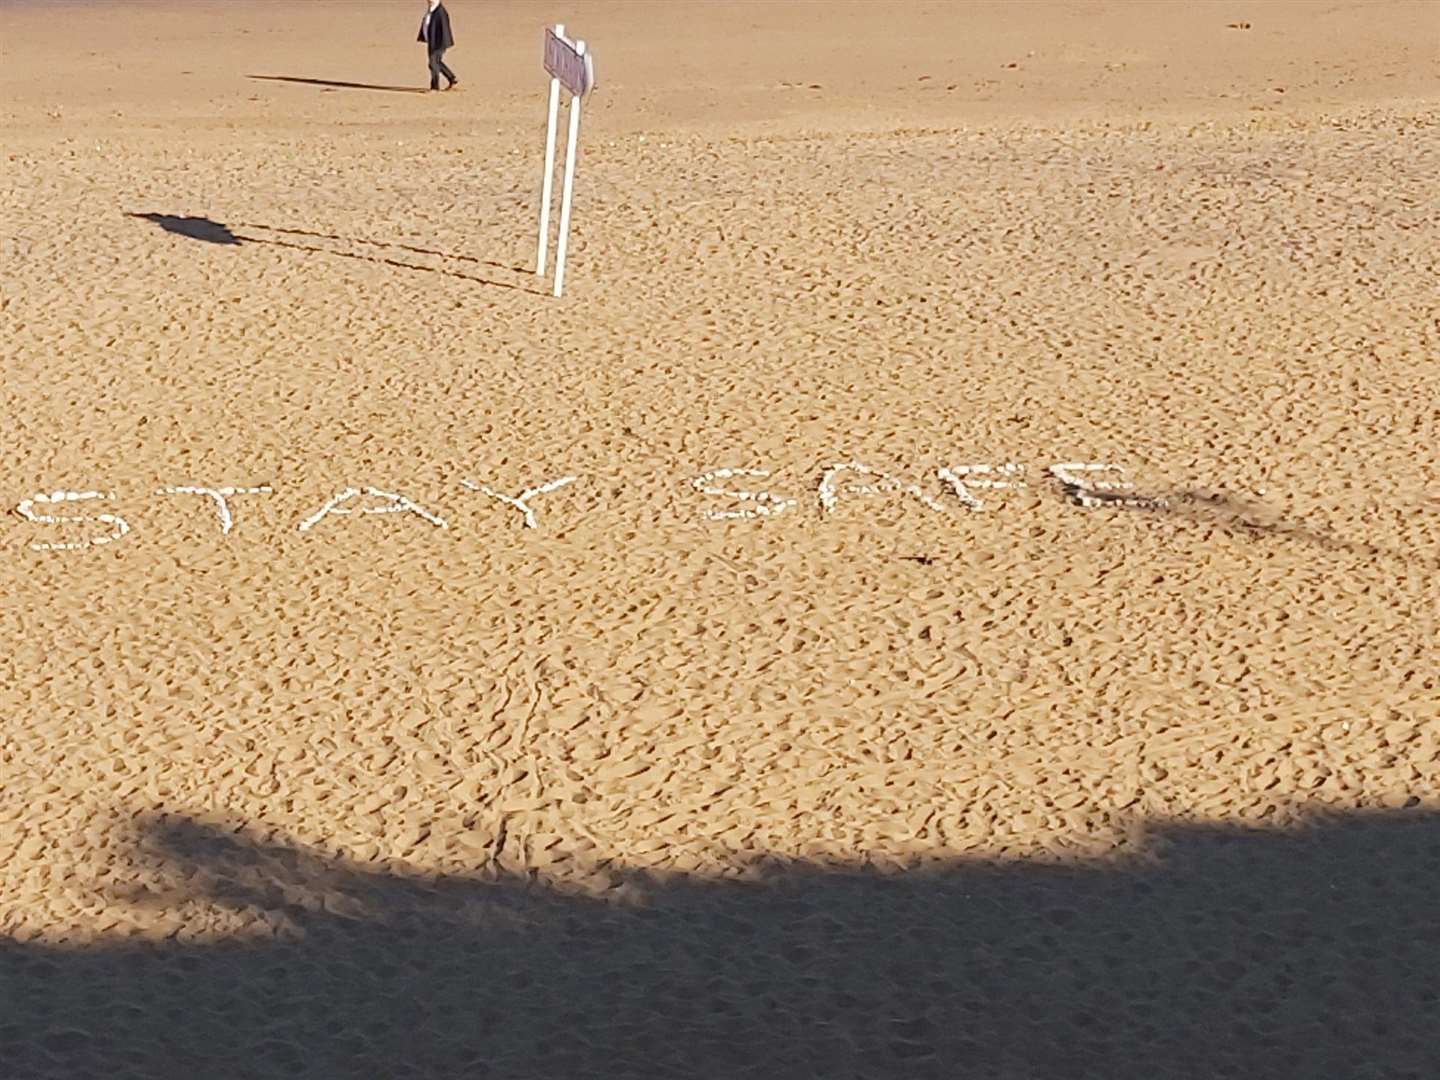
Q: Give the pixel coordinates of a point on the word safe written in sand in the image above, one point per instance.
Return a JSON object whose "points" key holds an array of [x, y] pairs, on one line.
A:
{"points": [[75, 520]]}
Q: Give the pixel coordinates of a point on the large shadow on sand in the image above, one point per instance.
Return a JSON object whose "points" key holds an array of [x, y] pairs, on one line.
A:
{"points": [[1219, 953]]}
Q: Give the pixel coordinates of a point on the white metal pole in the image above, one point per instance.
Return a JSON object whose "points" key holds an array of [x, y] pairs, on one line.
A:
{"points": [[548, 185], [568, 188]]}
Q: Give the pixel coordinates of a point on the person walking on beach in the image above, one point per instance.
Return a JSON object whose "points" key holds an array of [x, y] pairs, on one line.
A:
{"points": [[435, 33]]}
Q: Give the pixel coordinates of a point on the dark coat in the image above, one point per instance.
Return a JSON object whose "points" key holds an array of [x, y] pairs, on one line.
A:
{"points": [[438, 36]]}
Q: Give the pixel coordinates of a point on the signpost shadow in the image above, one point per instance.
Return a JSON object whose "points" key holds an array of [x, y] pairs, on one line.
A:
{"points": [[215, 232]]}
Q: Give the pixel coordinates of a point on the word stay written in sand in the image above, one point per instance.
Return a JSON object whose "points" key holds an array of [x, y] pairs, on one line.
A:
{"points": [[1088, 484]]}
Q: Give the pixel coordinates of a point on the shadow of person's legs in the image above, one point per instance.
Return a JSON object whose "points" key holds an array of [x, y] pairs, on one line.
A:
{"points": [[337, 84]]}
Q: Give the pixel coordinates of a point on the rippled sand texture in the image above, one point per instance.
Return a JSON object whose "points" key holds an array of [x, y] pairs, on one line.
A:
{"points": [[373, 749]]}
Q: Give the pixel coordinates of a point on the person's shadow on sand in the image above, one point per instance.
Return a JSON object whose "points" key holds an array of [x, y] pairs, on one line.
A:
{"points": [[336, 84], [1218, 952]]}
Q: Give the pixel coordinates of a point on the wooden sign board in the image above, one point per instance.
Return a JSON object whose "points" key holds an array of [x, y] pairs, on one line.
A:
{"points": [[566, 61]]}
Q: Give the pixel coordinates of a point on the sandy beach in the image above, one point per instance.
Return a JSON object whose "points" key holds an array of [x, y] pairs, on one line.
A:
{"points": [[981, 619]]}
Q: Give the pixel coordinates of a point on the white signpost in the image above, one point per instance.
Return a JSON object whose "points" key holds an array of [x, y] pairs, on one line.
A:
{"points": [[571, 66]]}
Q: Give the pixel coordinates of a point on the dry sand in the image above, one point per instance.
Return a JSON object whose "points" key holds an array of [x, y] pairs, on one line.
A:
{"points": [[888, 791]]}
